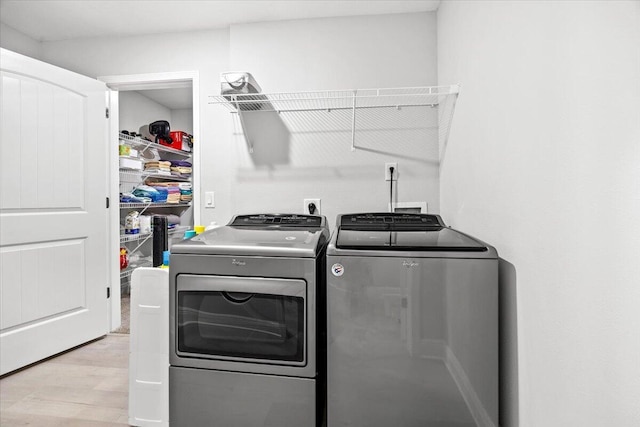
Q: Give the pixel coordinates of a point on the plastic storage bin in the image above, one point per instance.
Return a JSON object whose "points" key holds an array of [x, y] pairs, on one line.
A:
{"points": [[128, 163], [180, 141], [149, 348]]}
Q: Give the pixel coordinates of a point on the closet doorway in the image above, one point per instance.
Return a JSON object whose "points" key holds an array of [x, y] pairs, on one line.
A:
{"points": [[134, 102]]}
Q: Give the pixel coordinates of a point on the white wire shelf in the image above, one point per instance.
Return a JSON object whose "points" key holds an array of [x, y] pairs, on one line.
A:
{"points": [[153, 205], [387, 112], [172, 177], [127, 238], [142, 145], [135, 176], [130, 175], [145, 206], [335, 100]]}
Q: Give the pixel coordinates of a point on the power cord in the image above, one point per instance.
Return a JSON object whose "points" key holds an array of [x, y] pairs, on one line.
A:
{"points": [[312, 208], [391, 169]]}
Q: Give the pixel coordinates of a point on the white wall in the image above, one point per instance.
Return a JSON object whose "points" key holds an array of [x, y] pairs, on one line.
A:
{"points": [[340, 53], [14, 40], [182, 119], [544, 163], [137, 110], [204, 51], [333, 54]]}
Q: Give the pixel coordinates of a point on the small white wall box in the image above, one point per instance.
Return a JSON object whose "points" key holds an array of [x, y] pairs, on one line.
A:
{"points": [[238, 82], [408, 207], [236, 85]]}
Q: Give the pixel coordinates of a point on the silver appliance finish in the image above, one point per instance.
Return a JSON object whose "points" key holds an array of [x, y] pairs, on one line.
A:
{"points": [[230, 365], [412, 336]]}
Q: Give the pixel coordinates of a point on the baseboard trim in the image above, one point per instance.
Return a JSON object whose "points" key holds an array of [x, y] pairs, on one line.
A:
{"points": [[431, 349]]}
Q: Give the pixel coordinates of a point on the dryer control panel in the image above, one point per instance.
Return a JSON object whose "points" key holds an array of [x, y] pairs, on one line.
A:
{"points": [[284, 220]]}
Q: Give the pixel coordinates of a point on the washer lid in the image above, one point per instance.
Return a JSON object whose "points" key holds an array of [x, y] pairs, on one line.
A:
{"points": [[440, 239], [402, 232]]}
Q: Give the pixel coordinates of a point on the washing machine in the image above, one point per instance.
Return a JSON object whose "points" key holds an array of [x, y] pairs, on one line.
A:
{"points": [[412, 335], [246, 335]]}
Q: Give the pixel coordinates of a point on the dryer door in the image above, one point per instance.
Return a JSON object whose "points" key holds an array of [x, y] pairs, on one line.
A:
{"points": [[241, 319]]}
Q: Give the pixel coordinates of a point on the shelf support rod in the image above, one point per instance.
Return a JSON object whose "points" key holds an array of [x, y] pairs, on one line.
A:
{"points": [[447, 129], [328, 110], [353, 122], [141, 243], [145, 208], [244, 128]]}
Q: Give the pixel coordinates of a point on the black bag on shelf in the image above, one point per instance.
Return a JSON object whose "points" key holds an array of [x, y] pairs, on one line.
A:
{"points": [[161, 130]]}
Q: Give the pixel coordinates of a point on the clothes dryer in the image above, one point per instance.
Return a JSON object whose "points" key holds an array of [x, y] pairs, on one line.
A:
{"points": [[244, 322]]}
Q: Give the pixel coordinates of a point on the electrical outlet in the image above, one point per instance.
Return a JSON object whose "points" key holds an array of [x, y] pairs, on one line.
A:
{"points": [[387, 171], [310, 203], [209, 200]]}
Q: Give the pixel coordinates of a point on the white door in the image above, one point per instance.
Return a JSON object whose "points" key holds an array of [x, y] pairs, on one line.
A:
{"points": [[53, 215]]}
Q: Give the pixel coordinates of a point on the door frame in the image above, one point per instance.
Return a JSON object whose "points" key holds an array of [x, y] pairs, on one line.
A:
{"points": [[136, 82]]}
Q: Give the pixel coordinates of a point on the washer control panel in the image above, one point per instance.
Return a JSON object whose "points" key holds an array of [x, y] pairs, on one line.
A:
{"points": [[389, 221]]}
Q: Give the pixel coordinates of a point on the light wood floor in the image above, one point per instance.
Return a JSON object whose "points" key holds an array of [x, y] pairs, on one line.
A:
{"points": [[87, 386]]}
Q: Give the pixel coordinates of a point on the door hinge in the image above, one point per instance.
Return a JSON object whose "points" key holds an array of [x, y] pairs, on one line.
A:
{"points": [[106, 112], [108, 292], [107, 203]]}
